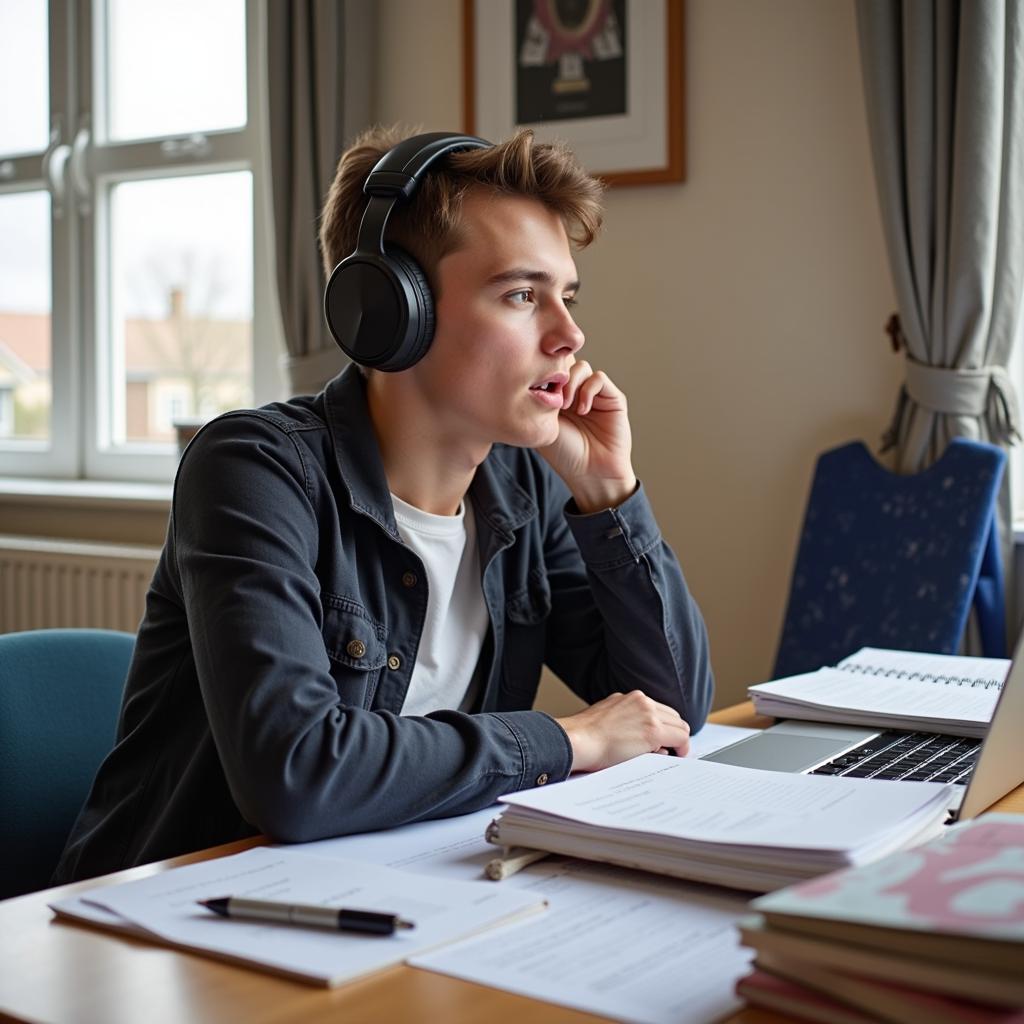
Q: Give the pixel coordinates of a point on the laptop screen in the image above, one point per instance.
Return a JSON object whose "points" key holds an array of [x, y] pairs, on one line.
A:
{"points": [[1000, 765]]}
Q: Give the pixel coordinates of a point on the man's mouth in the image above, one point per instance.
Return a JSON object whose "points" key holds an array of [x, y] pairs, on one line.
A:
{"points": [[551, 385]]}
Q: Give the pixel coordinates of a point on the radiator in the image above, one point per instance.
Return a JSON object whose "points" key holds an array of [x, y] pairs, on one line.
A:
{"points": [[56, 583]]}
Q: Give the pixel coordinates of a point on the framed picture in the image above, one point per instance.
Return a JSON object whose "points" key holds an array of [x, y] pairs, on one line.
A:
{"points": [[604, 76]]}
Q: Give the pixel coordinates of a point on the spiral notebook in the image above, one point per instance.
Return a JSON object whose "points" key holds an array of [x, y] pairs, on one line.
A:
{"points": [[945, 693], [906, 716]]}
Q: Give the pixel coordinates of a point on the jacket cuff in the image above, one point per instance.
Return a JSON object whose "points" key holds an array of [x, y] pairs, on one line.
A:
{"points": [[615, 536], [544, 746]]}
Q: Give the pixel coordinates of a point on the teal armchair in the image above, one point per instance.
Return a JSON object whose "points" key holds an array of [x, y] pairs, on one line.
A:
{"points": [[60, 696]]}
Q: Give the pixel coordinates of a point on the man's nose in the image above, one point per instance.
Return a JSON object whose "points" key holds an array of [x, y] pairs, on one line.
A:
{"points": [[563, 333]]}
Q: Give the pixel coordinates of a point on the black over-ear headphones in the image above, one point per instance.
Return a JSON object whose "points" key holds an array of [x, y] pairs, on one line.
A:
{"points": [[378, 302]]}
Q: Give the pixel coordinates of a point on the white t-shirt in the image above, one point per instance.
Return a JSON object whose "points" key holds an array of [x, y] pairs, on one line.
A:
{"points": [[456, 621]]}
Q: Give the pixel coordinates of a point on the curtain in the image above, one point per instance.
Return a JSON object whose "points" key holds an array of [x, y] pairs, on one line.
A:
{"points": [[319, 72], [944, 88]]}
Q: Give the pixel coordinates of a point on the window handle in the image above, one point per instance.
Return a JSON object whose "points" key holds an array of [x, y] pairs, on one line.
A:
{"points": [[79, 170], [54, 161], [195, 145]]}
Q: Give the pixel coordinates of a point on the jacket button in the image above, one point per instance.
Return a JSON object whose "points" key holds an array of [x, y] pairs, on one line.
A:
{"points": [[355, 648], [542, 779], [409, 579], [394, 661]]}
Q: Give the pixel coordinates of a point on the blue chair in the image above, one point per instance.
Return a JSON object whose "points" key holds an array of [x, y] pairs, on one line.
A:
{"points": [[60, 696], [896, 561]]}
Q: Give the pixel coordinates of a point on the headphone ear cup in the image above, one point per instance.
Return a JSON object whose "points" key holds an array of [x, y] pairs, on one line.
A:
{"points": [[377, 303], [380, 309], [420, 329]]}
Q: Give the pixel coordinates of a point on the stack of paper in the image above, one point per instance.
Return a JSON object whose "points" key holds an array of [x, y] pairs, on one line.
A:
{"points": [[163, 907], [892, 690], [739, 827]]}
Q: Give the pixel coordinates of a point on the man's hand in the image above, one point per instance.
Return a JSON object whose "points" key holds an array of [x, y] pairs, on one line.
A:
{"points": [[592, 452], [622, 726]]}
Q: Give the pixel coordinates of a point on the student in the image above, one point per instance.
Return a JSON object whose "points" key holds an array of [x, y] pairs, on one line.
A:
{"points": [[347, 624]]}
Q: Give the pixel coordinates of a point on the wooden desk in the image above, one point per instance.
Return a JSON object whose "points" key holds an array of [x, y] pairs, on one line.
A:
{"points": [[53, 971]]}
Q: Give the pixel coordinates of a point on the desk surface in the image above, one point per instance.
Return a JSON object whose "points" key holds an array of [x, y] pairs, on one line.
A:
{"points": [[53, 971]]}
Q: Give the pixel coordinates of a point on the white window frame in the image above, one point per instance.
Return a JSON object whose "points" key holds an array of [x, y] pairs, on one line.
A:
{"points": [[43, 171], [79, 169]]}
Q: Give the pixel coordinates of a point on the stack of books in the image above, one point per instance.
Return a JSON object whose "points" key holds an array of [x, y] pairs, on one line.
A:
{"points": [[934, 933]]}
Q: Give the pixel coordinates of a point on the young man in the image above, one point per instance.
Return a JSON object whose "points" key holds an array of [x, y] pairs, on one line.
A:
{"points": [[347, 625]]}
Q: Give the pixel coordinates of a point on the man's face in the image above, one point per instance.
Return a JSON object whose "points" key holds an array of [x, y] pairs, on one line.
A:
{"points": [[505, 337]]}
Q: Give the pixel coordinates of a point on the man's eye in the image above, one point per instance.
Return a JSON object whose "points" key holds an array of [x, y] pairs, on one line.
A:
{"points": [[570, 301], [522, 297]]}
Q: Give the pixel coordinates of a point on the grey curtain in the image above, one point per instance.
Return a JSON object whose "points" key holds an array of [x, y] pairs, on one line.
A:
{"points": [[944, 86], [319, 72]]}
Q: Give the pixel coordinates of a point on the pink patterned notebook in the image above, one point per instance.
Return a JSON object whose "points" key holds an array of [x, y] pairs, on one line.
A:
{"points": [[936, 900]]}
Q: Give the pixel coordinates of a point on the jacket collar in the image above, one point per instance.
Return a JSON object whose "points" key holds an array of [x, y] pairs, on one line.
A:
{"points": [[498, 497]]}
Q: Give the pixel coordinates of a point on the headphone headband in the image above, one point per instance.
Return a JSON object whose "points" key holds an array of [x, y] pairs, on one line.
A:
{"points": [[399, 171]]}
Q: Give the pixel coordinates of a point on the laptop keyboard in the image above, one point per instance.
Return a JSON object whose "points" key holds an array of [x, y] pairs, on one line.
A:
{"points": [[913, 757]]}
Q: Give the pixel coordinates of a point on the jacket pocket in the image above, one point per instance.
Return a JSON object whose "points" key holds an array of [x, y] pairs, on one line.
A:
{"points": [[353, 638], [532, 603]]}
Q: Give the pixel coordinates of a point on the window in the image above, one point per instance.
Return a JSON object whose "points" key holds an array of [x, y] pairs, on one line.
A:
{"points": [[131, 230]]}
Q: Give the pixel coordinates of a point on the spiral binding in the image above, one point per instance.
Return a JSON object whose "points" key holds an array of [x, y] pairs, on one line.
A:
{"points": [[924, 677]]}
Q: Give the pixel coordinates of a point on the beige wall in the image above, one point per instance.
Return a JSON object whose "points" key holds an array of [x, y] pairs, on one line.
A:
{"points": [[741, 310]]}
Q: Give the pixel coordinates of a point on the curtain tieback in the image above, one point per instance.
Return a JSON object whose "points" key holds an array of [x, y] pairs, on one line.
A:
{"points": [[987, 391]]}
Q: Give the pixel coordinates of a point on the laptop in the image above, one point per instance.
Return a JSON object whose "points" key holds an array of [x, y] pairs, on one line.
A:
{"points": [[983, 770]]}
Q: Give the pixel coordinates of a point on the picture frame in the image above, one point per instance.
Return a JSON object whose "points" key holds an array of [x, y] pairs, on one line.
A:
{"points": [[604, 76]]}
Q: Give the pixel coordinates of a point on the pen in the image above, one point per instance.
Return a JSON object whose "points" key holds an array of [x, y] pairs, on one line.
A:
{"points": [[337, 918]]}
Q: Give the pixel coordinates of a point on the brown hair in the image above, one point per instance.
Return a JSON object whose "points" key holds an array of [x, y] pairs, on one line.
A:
{"points": [[428, 227]]}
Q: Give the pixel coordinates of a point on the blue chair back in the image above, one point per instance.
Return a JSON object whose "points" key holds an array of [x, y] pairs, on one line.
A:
{"points": [[896, 561], [60, 696]]}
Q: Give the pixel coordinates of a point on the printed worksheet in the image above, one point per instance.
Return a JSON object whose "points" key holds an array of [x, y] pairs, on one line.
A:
{"points": [[613, 942], [165, 906]]}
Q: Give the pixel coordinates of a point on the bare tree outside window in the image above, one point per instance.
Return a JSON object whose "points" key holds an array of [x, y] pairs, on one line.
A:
{"points": [[197, 350]]}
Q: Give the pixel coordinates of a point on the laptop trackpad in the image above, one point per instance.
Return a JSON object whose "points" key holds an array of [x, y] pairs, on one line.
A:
{"points": [[778, 752]]}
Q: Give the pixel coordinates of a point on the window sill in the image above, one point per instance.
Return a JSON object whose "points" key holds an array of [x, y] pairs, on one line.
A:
{"points": [[96, 494], [116, 494]]}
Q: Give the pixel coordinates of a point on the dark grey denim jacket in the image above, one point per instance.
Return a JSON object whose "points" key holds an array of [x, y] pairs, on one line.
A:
{"points": [[282, 625]]}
